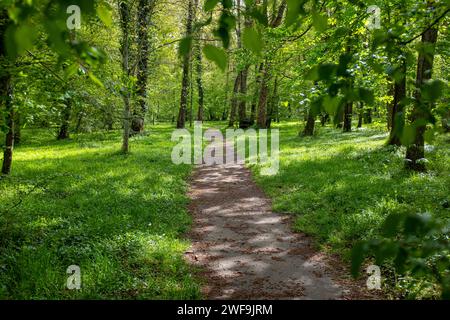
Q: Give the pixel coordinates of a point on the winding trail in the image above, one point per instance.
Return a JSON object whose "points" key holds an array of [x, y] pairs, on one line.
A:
{"points": [[246, 251]]}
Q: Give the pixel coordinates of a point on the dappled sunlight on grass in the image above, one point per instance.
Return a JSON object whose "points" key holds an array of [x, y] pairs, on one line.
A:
{"points": [[119, 217], [341, 186]]}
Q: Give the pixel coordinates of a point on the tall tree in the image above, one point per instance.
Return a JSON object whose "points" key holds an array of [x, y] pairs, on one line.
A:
{"points": [[416, 150], [144, 11], [181, 122], [266, 69], [199, 66], [397, 110], [6, 93], [124, 11]]}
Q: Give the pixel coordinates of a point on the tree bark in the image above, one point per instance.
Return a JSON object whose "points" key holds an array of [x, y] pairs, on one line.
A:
{"points": [[416, 150], [348, 110], [65, 118], [199, 83], [234, 101], [6, 95], [310, 123], [143, 19], [242, 103], [258, 72], [266, 69], [181, 122], [360, 114], [397, 115], [262, 102], [17, 128], [125, 47]]}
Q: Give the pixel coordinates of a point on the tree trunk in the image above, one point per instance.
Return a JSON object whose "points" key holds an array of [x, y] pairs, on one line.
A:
{"points": [[234, 101], [360, 114], [262, 102], [65, 120], [199, 83], [348, 110], [258, 72], [227, 94], [390, 106], [17, 128], [125, 19], [243, 121], [397, 116], [310, 123], [199, 69], [415, 151], [143, 19], [6, 95], [181, 122], [324, 117], [368, 116], [272, 102]]}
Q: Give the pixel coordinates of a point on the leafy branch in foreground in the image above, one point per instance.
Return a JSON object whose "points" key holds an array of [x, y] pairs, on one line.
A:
{"points": [[416, 245]]}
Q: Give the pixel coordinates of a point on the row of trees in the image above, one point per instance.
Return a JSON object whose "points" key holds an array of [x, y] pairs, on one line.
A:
{"points": [[280, 59]]}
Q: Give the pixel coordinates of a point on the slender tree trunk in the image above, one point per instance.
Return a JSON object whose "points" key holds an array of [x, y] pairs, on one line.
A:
{"points": [[310, 123], [262, 102], [324, 118], [7, 92], [125, 19], [234, 101], [390, 106], [17, 128], [258, 72], [348, 110], [227, 94], [65, 118], [181, 122], [273, 101], [397, 115], [243, 121], [199, 83], [6, 95], [415, 151], [199, 67], [360, 114], [143, 21]]}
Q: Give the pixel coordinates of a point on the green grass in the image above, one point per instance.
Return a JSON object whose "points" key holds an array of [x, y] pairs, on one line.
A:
{"points": [[341, 187], [119, 217]]}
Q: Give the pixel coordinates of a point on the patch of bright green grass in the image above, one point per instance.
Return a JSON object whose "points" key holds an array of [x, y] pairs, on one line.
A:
{"points": [[341, 186], [81, 202]]}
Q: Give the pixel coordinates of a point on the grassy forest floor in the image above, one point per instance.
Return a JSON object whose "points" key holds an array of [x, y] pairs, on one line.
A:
{"points": [[122, 219], [118, 217], [341, 187]]}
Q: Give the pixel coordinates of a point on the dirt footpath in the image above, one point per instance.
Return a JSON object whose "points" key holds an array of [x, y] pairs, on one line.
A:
{"points": [[246, 251]]}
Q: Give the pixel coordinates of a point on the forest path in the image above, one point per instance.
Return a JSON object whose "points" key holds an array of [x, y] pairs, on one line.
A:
{"points": [[246, 251]]}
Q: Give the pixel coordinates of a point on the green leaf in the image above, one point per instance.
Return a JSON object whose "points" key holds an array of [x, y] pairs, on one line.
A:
{"points": [[391, 225], [252, 40], [20, 38], [95, 79], [185, 46], [432, 90], [210, 4], [331, 104], [358, 255], [294, 10], [105, 14], [320, 22], [366, 96], [217, 55]]}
